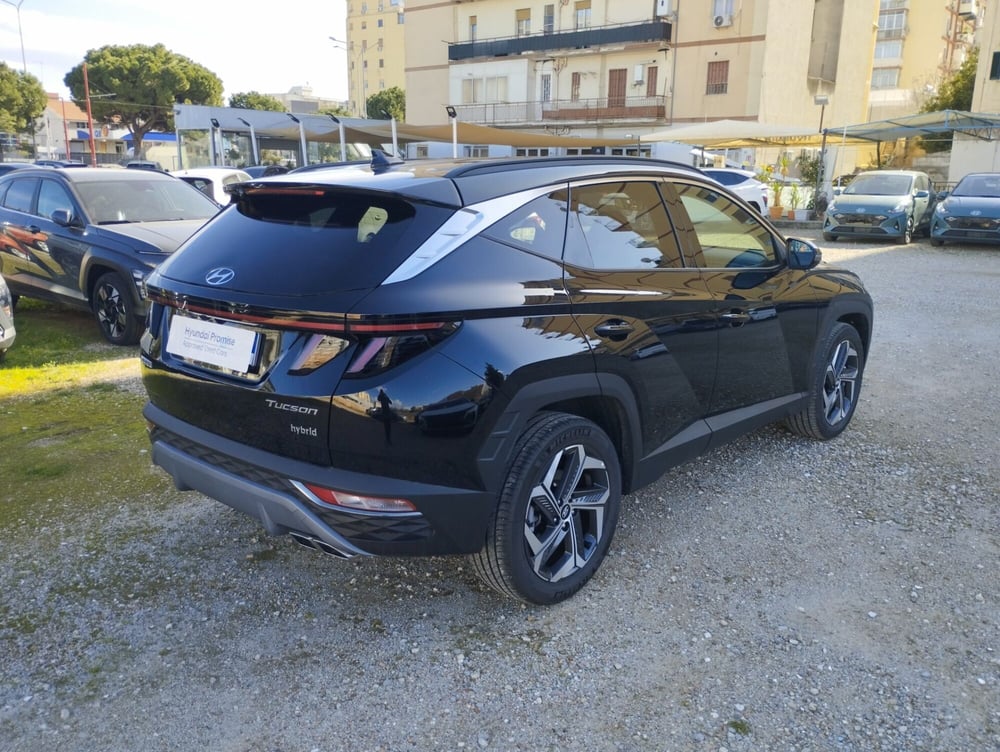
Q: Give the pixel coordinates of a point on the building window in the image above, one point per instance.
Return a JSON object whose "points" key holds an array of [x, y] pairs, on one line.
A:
{"points": [[364, 25], [478, 151], [722, 8], [472, 28], [380, 24], [889, 50], [523, 22], [574, 88], [581, 15], [381, 5], [885, 78], [546, 87], [548, 19], [892, 25], [718, 77], [995, 67], [399, 19], [651, 76], [482, 90]]}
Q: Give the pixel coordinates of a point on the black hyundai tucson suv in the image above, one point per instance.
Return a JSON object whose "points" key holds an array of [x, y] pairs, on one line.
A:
{"points": [[483, 357]]}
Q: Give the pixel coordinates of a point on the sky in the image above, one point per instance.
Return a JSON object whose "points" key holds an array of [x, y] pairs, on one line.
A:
{"points": [[249, 46]]}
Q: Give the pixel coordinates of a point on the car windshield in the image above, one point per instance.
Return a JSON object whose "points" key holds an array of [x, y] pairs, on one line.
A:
{"points": [[978, 185], [115, 201], [880, 185]]}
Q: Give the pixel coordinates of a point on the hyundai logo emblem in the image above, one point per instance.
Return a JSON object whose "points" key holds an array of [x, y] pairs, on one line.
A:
{"points": [[220, 275]]}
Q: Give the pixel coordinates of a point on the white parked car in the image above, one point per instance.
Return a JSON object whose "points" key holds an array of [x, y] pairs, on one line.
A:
{"points": [[212, 181], [743, 183]]}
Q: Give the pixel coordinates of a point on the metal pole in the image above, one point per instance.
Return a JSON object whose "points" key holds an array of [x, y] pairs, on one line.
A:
{"points": [[65, 126], [454, 138], [90, 119], [395, 142]]}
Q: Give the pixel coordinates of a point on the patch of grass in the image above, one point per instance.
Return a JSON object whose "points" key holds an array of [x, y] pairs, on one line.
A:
{"points": [[59, 346], [740, 726], [72, 435]]}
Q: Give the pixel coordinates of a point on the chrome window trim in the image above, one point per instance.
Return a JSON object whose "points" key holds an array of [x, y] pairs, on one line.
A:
{"points": [[463, 225]]}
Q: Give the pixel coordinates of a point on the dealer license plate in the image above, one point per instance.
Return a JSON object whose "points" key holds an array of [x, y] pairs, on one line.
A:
{"points": [[214, 344]]}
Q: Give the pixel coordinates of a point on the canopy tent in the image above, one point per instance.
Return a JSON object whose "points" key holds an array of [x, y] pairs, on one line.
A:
{"points": [[327, 129], [734, 134], [925, 124]]}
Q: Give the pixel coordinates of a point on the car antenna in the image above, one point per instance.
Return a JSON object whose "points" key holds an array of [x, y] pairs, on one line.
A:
{"points": [[382, 161]]}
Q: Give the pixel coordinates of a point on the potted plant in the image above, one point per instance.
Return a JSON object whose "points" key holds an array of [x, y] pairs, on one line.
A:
{"points": [[798, 199], [773, 181]]}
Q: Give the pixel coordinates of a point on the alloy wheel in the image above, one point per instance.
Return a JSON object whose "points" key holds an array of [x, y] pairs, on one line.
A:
{"points": [[564, 519], [840, 383]]}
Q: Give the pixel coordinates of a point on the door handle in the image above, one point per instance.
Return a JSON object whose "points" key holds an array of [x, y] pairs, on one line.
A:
{"points": [[736, 318], [614, 329]]}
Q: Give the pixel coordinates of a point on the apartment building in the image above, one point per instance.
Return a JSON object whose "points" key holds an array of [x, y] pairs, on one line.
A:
{"points": [[374, 50], [971, 153], [629, 67], [918, 44]]}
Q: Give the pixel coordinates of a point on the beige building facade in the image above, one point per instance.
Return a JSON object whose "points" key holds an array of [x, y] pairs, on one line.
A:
{"points": [[970, 154], [614, 68], [374, 50], [918, 44]]}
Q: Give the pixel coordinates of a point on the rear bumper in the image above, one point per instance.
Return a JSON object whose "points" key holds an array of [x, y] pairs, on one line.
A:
{"points": [[261, 485]]}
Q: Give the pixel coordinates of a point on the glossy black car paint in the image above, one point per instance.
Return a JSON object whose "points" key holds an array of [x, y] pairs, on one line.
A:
{"points": [[668, 364]]}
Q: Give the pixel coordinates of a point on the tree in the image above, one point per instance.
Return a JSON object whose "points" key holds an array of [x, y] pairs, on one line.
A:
{"points": [[22, 99], [954, 93], [139, 84], [254, 100], [386, 103]]}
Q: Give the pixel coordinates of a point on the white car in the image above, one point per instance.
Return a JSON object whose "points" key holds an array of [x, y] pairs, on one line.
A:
{"points": [[212, 181], [743, 183]]}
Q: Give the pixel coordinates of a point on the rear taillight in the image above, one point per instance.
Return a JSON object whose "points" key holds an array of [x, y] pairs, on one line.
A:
{"points": [[381, 348]]}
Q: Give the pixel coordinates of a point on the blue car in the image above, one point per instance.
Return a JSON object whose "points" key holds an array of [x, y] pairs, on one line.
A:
{"points": [[882, 204], [970, 213]]}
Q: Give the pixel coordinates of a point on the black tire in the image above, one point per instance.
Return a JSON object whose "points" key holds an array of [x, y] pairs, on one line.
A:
{"points": [[547, 539], [829, 237], [115, 311], [836, 386], [907, 232]]}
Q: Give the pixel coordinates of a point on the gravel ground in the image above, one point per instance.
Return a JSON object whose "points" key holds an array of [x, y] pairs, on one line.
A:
{"points": [[777, 594]]}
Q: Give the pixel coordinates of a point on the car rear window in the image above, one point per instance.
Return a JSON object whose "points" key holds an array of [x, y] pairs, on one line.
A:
{"points": [[317, 238]]}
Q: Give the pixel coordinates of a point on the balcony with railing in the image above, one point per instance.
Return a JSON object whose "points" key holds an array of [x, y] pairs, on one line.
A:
{"points": [[550, 41], [563, 112]]}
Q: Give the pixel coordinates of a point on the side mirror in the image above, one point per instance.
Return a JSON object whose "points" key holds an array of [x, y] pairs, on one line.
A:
{"points": [[943, 195], [802, 254], [922, 194], [63, 217], [837, 190]]}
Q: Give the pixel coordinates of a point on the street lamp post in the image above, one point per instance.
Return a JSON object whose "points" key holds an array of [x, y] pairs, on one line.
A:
{"points": [[17, 7], [362, 108], [453, 116]]}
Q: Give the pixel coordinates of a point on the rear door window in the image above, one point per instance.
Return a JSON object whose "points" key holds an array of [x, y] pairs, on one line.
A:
{"points": [[21, 195], [622, 225]]}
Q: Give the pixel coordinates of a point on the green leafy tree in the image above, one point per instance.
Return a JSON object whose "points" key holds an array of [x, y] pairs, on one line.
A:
{"points": [[22, 99], [138, 86], [954, 93], [386, 103], [254, 100]]}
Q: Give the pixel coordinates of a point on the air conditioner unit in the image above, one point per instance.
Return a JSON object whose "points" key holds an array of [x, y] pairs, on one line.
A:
{"points": [[663, 8], [968, 9], [721, 21]]}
